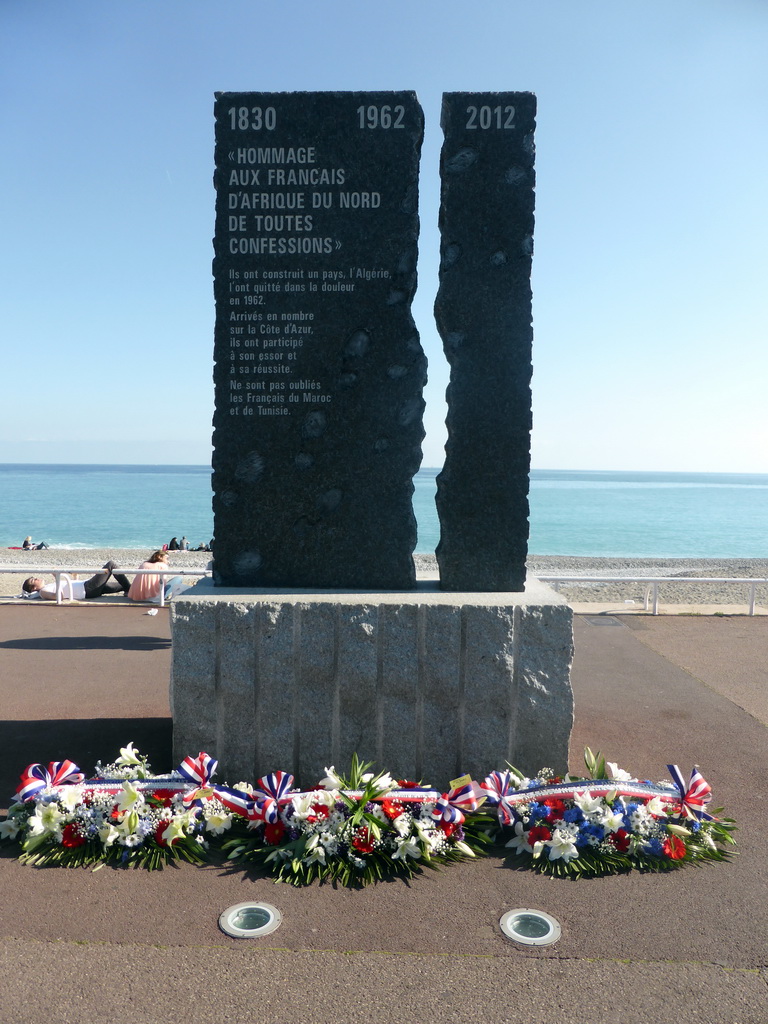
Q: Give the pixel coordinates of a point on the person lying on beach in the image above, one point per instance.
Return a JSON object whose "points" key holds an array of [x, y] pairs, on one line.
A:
{"points": [[147, 586], [29, 545], [108, 581]]}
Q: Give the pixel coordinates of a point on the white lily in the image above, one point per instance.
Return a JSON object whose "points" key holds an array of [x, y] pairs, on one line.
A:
{"points": [[128, 755], [587, 803], [612, 821], [108, 833], [561, 845], [302, 805], [519, 840], [407, 848], [177, 829], [218, 823], [331, 780], [46, 820], [9, 828], [616, 773], [129, 798], [317, 853], [383, 784], [656, 807]]}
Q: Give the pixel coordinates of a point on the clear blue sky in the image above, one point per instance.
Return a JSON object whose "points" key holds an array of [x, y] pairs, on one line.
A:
{"points": [[650, 277]]}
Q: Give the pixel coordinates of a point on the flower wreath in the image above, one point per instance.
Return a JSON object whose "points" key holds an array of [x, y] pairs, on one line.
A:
{"points": [[361, 827]]}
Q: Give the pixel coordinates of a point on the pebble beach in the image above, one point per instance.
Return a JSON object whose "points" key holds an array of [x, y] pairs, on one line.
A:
{"points": [[687, 593]]}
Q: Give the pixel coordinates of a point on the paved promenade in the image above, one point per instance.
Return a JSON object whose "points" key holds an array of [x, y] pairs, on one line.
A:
{"points": [[121, 945]]}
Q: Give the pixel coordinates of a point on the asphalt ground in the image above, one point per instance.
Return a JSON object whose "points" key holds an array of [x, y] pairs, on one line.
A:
{"points": [[120, 944]]}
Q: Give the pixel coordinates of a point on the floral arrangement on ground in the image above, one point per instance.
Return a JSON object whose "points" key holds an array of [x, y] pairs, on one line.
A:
{"points": [[362, 826]]}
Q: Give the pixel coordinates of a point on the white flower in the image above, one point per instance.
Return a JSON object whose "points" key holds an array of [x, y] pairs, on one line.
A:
{"points": [[561, 845], [379, 815], [403, 822], [466, 850], [218, 823], [46, 820], [129, 798], [588, 804], [9, 828], [656, 807], [71, 796], [612, 821], [331, 780], [616, 773], [382, 785], [108, 833], [519, 840], [432, 837], [329, 842], [317, 853], [303, 804], [640, 820], [406, 848], [128, 756]]}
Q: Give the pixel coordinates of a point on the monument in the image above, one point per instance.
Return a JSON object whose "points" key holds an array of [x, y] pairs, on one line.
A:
{"points": [[483, 312], [318, 366], [315, 641]]}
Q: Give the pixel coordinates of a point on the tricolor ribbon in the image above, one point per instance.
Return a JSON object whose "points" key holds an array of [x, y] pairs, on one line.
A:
{"points": [[35, 778], [450, 806], [499, 787], [695, 796], [256, 807], [269, 794], [199, 771]]}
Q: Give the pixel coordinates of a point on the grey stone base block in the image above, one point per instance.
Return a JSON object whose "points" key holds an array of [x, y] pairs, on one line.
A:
{"points": [[425, 684]]}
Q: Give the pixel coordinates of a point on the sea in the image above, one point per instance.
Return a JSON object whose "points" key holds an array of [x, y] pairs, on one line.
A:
{"points": [[589, 513]]}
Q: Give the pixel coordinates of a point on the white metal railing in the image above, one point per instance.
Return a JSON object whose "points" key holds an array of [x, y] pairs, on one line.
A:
{"points": [[654, 581], [63, 577]]}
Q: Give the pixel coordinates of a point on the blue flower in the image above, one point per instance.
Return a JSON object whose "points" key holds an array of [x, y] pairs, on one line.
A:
{"points": [[654, 847], [589, 835], [573, 814], [538, 812]]}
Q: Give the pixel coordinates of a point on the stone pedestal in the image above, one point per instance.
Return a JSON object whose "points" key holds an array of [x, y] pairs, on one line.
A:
{"points": [[427, 684]]}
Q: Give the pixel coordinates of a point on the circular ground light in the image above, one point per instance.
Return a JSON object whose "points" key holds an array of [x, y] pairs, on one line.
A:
{"points": [[530, 927], [250, 920]]}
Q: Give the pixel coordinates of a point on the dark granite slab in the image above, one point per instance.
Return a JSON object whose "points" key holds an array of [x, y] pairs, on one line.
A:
{"points": [[318, 366], [483, 312]]}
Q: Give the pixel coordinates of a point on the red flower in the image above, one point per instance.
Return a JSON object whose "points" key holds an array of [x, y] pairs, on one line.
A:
{"points": [[163, 797], [71, 836], [160, 833], [392, 808], [556, 806], [321, 810], [273, 834], [448, 827], [362, 841], [674, 848], [407, 784], [538, 834], [620, 840]]}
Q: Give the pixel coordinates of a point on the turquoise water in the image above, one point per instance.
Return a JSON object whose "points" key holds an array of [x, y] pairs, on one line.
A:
{"points": [[611, 514]]}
